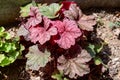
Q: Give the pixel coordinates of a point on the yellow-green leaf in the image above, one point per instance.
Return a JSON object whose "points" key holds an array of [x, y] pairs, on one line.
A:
{"points": [[51, 10], [25, 10], [2, 57], [97, 60]]}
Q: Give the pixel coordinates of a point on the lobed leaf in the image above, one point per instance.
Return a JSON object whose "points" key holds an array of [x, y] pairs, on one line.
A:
{"points": [[35, 18], [75, 67], [86, 22], [13, 56], [7, 35], [25, 10], [94, 50], [2, 29], [5, 62], [73, 13], [50, 11], [10, 49], [91, 50], [36, 58], [2, 57], [42, 34], [68, 31]]}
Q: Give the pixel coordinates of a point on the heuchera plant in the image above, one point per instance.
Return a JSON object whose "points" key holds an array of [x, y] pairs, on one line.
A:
{"points": [[57, 31]]}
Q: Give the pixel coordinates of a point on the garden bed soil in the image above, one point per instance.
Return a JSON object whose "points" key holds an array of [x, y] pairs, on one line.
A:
{"points": [[102, 31]]}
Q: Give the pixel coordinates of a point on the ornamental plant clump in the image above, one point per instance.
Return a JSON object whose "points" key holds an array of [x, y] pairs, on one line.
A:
{"points": [[10, 49], [59, 33]]}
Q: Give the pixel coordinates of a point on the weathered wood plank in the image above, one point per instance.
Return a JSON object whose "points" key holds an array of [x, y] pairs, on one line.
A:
{"points": [[9, 9]]}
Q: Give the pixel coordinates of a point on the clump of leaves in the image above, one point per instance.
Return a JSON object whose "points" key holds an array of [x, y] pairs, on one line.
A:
{"points": [[55, 30], [84, 22], [94, 50], [10, 49]]}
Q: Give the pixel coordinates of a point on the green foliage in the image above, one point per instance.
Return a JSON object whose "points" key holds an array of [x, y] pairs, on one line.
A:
{"points": [[114, 24], [3, 34], [10, 49], [36, 58], [2, 57], [50, 11], [94, 50], [97, 60], [25, 10], [91, 50], [59, 76]]}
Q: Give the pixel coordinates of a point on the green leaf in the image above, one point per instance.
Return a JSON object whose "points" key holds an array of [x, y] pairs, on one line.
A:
{"points": [[7, 35], [91, 50], [114, 24], [7, 47], [25, 10], [4, 34], [13, 56], [94, 49], [10, 59], [13, 47], [22, 47], [59, 76], [34, 3], [2, 29], [36, 58], [65, 79], [118, 23], [51, 10], [98, 61], [99, 47], [5, 62], [2, 57], [1, 44], [10, 49]]}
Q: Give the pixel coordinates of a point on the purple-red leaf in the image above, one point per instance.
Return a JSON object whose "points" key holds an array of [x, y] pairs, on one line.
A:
{"points": [[42, 34], [66, 4], [87, 22], [35, 18], [75, 67], [74, 12], [84, 22], [68, 31]]}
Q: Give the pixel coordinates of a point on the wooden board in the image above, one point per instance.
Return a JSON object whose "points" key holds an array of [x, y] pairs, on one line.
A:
{"points": [[9, 9]]}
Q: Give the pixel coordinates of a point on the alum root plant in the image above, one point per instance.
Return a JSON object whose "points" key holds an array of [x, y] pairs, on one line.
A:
{"points": [[59, 33]]}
